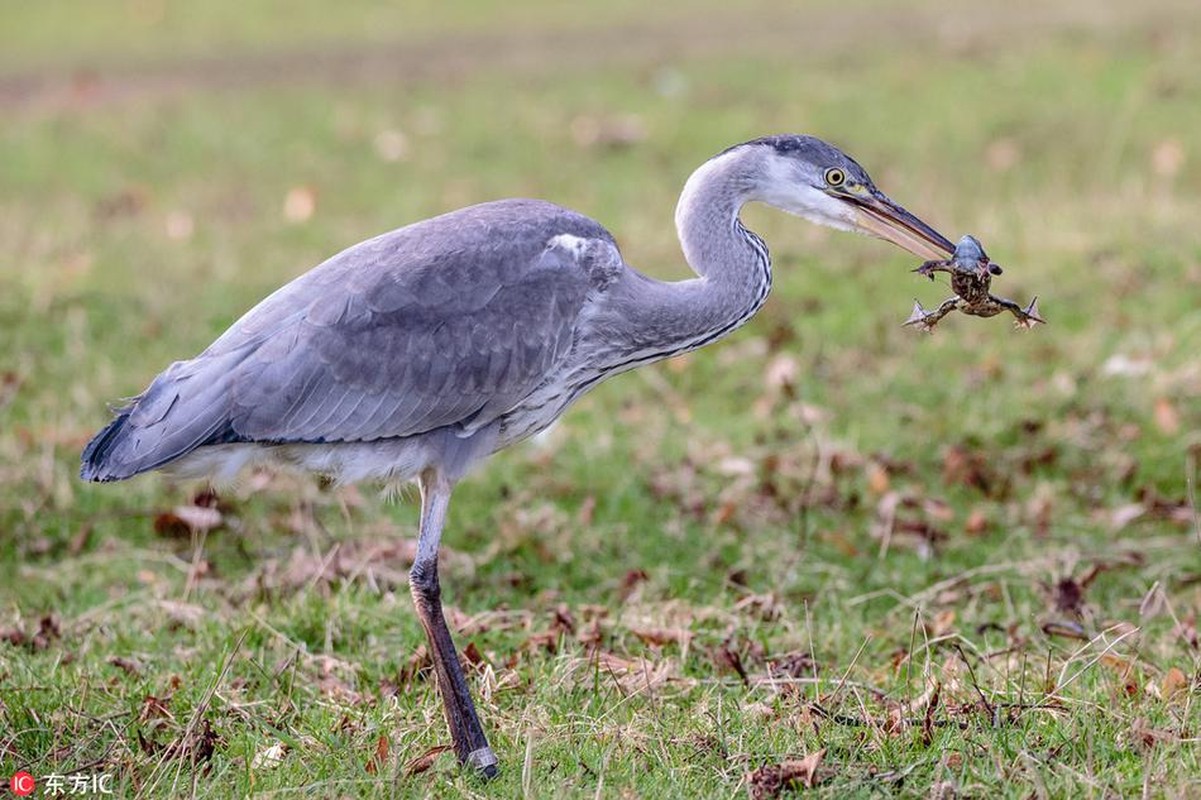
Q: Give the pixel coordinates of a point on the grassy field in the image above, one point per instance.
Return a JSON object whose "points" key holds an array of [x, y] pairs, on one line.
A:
{"points": [[884, 563]]}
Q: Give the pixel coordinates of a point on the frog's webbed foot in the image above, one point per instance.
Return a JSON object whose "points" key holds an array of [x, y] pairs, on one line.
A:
{"points": [[1024, 318], [1027, 317], [926, 321]]}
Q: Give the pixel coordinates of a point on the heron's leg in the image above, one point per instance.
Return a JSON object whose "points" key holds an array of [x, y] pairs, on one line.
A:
{"points": [[471, 746]]}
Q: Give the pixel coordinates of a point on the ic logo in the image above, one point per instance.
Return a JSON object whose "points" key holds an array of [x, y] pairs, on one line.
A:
{"points": [[22, 784]]}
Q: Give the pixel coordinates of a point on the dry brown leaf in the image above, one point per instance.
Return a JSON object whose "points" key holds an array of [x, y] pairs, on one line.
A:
{"points": [[391, 145], [1122, 516], [186, 520], [632, 675], [1173, 681], [780, 375], [1167, 158], [179, 226], [473, 656], [663, 636], [977, 523], [765, 607], [630, 583], [380, 757], [727, 658], [48, 631], [1068, 596], [611, 132], [1125, 671], [127, 665], [1146, 737], [1002, 154], [1167, 418], [771, 780], [943, 622], [155, 708], [426, 760], [300, 204], [967, 467], [878, 482]]}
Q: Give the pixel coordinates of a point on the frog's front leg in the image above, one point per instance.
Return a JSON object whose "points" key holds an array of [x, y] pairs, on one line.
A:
{"points": [[925, 320], [930, 267]]}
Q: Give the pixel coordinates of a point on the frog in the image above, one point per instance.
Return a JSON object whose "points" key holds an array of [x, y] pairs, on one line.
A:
{"points": [[971, 272]]}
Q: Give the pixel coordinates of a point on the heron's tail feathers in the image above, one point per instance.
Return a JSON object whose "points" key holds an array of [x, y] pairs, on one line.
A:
{"points": [[184, 408], [97, 463]]}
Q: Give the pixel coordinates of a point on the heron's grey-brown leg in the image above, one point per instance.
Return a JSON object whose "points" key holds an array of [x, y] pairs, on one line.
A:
{"points": [[471, 746]]}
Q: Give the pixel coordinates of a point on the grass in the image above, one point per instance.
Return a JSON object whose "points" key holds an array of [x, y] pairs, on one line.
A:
{"points": [[960, 564]]}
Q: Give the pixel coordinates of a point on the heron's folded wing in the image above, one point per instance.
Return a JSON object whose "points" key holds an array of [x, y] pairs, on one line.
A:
{"points": [[400, 357]]}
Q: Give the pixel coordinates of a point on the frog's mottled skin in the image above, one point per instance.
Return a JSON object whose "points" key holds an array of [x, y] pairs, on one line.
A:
{"points": [[971, 277]]}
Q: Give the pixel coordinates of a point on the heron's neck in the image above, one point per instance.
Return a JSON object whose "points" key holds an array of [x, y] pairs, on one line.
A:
{"points": [[662, 319]]}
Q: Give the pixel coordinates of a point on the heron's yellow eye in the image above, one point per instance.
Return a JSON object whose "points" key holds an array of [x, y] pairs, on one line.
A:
{"points": [[835, 177]]}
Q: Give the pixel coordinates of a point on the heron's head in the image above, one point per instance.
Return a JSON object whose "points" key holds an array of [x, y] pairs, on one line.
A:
{"points": [[813, 179]]}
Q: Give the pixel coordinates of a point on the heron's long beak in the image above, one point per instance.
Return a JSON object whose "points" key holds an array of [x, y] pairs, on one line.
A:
{"points": [[879, 216]]}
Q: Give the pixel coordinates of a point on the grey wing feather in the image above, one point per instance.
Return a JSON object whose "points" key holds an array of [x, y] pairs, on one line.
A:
{"points": [[451, 321]]}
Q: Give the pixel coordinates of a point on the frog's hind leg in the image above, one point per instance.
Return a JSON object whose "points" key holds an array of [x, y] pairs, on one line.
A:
{"points": [[1024, 318], [925, 320]]}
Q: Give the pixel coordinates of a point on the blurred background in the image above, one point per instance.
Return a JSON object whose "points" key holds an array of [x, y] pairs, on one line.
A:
{"points": [[164, 165]]}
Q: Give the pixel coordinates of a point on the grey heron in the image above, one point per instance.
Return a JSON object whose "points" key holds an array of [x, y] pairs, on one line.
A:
{"points": [[415, 355]]}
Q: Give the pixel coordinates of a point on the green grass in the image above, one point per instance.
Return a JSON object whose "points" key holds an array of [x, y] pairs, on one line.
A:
{"points": [[273, 655]]}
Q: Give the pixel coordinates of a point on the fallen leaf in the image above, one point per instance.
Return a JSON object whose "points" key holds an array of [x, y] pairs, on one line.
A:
{"points": [[1167, 418], [662, 636], [634, 675], [1167, 158], [473, 655], [1122, 516], [727, 658], [1002, 154], [155, 708], [1068, 596], [942, 623], [426, 760], [269, 756], [977, 523], [1147, 737], [391, 145], [780, 375], [878, 482], [610, 132], [126, 665], [183, 521], [792, 665], [179, 226], [967, 467], [632, 580], [300, 204], [1174, 680], [380, 757], [771, 780]]}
